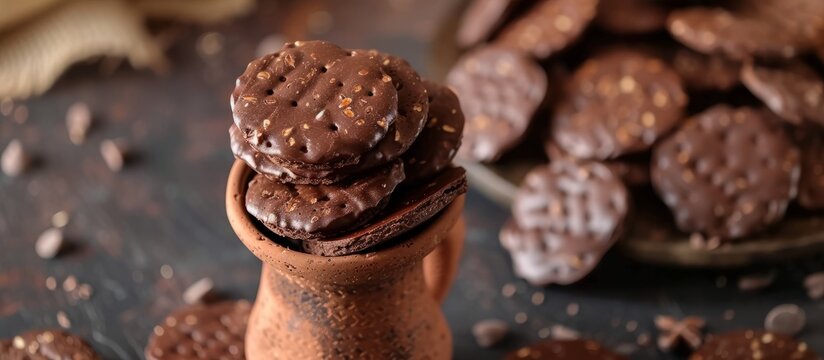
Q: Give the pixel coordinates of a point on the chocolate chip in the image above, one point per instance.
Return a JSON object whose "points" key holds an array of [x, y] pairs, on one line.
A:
{"points": [[489, 332], [787, 319], [500, 90], [14, 160], [114, 154], [814, 283], [78, 122], [727, 172], [49, 243], [549, 26], [756, 282], [196, 292]]}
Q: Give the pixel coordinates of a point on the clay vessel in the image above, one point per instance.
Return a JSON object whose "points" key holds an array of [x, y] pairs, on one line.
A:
{"points": [[376, 305]]}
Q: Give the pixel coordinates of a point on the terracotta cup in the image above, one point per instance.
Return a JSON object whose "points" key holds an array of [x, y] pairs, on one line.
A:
{"points": [[378, 305]]}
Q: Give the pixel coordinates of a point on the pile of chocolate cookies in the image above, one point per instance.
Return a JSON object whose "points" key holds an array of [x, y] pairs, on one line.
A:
{"points": [[351, 147], [715, 107]]}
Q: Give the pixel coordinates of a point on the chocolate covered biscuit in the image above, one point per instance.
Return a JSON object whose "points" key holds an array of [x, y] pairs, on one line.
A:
{"points": [[481, 18], [706, 72], [631, 16], [618, 103], [317, 211], [46, 344], [564, 350], [548, 26], [794, 91], [500, 90], [727, 172], [215, 331], [753, 344]]}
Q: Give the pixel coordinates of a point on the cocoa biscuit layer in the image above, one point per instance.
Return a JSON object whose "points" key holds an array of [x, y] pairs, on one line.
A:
{"points": [[319, 211], [500, 90], [794, 91], [727, 172], [315, 105], [706, 72], [618, 103], [440, 139], [564, 350], [407, 208], [213, 331], [548, 26], [481, 18], [753, 344], [46, 344], [631, 16]]}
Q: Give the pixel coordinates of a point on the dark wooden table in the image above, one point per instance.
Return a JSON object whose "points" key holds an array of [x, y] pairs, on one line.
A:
{"points": [[140, 237]]}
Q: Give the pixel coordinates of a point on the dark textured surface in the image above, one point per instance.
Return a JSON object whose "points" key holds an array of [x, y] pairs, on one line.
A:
{"points": [[167, 207]]}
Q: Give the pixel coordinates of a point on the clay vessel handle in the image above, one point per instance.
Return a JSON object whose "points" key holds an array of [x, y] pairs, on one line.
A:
{"points": [[441, 265]]}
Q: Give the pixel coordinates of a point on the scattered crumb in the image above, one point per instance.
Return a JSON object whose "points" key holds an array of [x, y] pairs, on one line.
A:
{"points": [[632, 325], [538, 298], [166, 271], [729, 314], [51, 283], [60, 219], [49, 243], [572, 309], [63, 320], [508, 290], [560, 332], [489, 332], [196, 292], [520, 318], [14, 160]]}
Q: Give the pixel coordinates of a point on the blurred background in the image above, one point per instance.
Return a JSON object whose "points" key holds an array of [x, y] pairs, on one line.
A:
{"points": [[119, 111]]}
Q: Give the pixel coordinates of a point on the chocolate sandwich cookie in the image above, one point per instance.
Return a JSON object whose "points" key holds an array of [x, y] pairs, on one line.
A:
{"points": [[481, 18], [314, 105], [318, 211], [727, 172], [618, 103], [753, 344], [706, 72], [500, 90], [548, 27], [633, 169], [794, 91], [214, 331], [408, 208], [440, 139], [631, 16], [46, 344], [747, 29], [566, 217], [564, 350], [810, 140]]}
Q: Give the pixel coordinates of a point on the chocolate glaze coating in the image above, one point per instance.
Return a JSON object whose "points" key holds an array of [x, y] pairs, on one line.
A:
{"points": [[46, 344], [618, 103], [794, 91], [408, 208], [549, 26], [481, 18], [314, 104], [440, 138], [319, 211], [500, 90], [564, 350], [753, 344], [727, 172], [213, 331]]}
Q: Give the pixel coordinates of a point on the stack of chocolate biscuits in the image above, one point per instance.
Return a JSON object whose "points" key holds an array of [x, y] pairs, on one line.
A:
{"points": [[351, 147], [716, 107]]}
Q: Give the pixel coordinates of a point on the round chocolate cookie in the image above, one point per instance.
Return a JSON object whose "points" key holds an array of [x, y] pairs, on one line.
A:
{"points": [[500, 90], [314, 105], [706, 72], [318, 211], [810, 139], [618, 103], [440, 139], [564, 350], [631, 16], [633, 169], [727, 172], [549, 26], [566, 216], [795, 92], [765, 28], [753, 344], [213, 331], [408, 207], [46, 344], [481, 18]]}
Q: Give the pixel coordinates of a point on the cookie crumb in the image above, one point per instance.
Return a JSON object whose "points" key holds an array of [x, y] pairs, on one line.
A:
{"points": [[78, 122], [63, 320], [508, 290], [572, 309], [14, 160], [814, 283], [198, 291], [48, 244], [489, 332]]}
